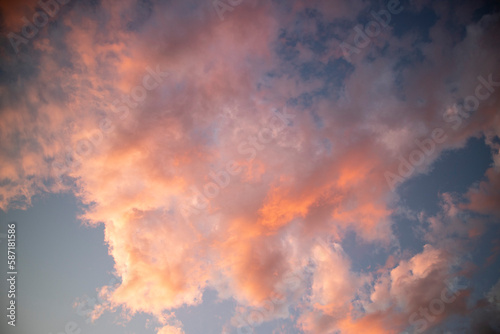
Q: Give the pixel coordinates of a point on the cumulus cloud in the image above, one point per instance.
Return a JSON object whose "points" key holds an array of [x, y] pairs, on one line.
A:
{"points": [[217, 152]]}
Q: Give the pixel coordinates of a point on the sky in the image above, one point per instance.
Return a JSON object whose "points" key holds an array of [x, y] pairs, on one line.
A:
{"points": [[250, 166]]}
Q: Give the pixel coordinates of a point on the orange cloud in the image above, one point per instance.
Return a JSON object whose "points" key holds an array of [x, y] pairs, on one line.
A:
{"points": [[321, 177]]}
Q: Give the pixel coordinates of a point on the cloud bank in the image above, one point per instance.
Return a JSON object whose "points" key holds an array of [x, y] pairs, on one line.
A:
{"points": [[228, 153]]}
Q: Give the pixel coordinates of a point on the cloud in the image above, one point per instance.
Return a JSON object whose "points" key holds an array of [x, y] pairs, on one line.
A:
{"points": [[485, 197], [168, 329], [153, 168]]}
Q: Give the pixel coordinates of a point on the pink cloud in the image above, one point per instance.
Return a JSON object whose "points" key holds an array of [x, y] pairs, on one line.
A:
{"points": [[307, 182]]}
